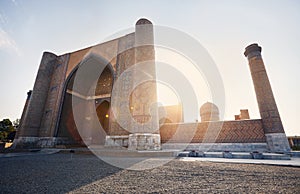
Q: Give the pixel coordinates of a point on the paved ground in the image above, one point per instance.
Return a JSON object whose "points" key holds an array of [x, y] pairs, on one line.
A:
{"points": [[292, 162], [84, 173]]}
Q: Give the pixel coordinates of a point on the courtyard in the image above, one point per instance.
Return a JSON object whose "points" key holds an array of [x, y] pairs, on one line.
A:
{"points": [[85, 173]]}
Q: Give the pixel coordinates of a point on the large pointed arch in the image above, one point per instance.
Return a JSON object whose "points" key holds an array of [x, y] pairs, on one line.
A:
{"points": [[92, 92]]}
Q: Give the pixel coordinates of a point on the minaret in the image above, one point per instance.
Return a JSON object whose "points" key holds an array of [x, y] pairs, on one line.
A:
{"points": [[272, 125], [143, 106]]}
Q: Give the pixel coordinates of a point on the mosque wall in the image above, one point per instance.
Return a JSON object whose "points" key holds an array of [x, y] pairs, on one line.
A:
{"points": [[242, 131]]}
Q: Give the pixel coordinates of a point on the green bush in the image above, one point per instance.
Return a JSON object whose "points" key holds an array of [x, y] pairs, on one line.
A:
{"points": [[7, 131]]}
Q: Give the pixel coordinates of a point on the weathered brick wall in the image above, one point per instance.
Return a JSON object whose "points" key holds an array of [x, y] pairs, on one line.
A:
{"points": [[54, 97], [244, 131], [32, 119]]}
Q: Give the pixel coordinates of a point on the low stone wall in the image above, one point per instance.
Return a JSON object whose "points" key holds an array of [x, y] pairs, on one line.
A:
{"points": [[242, 131], [40, 142], [116, 140], [218, 147], [144, 141]]}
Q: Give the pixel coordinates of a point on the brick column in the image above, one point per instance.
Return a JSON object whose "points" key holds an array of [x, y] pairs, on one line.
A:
{"points": [[273, 128]]}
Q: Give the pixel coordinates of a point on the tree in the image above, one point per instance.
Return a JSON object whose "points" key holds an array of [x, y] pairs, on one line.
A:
{"points": [[16, 123], [7, 130]]}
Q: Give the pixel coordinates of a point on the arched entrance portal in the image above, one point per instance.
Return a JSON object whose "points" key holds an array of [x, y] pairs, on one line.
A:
{"points": [[103, 114], [89, 128]]}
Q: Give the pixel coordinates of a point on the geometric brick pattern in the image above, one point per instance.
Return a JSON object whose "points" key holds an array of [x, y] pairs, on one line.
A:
{"points": [[243, 131]]}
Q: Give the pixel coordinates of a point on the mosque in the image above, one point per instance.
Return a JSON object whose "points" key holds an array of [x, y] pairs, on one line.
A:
{"points": [[98, 95]]}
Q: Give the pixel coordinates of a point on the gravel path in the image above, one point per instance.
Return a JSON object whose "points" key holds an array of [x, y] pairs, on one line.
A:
{"points": [[84, 173]]}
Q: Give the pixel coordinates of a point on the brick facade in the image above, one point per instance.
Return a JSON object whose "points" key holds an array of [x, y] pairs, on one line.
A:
{"points": [[243, 131]]}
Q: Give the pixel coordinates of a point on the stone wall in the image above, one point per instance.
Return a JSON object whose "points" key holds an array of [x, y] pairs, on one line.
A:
{"points": [[218, 147]]}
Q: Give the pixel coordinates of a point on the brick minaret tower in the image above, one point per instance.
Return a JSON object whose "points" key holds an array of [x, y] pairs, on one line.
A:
{"points": [[144, 111], [272, 125]]}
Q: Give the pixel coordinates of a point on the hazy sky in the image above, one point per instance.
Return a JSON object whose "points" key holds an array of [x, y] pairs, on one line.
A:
{"points": [[224, 28]]}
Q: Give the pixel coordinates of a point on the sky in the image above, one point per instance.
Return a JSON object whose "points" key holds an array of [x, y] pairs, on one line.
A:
{"points": [[223, 28]]}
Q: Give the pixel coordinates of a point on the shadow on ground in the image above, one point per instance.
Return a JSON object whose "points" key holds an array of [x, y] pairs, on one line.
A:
{"points": [[55, 173]]}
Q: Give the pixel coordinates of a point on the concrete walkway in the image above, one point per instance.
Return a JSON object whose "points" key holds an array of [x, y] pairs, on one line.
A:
{"points": [[292, 162], [214, 156]]}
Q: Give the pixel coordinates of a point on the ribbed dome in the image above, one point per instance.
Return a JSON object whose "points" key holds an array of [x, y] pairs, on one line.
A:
{"points": [[209, 112], [143, 21]]}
